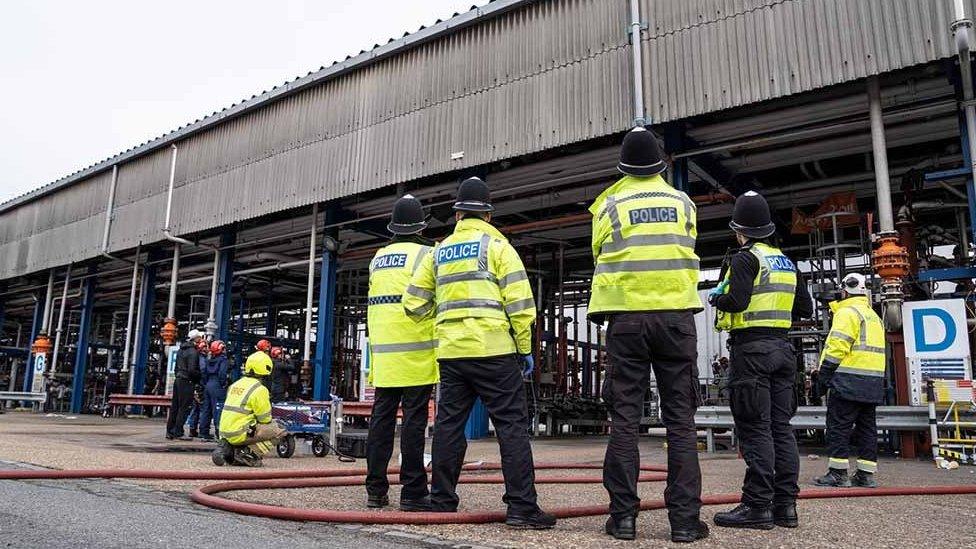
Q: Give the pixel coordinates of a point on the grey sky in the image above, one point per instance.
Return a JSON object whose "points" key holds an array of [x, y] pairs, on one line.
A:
{"points": [[81, 81]]}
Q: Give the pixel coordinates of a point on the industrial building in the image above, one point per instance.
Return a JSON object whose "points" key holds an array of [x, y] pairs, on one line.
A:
{"points": [[853, 117]]}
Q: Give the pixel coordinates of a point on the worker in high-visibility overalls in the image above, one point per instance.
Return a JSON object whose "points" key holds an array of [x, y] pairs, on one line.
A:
{"points": [[646, 284], [852, 372], [403, 365], [757, 300], [247, 431], [476, 287]]}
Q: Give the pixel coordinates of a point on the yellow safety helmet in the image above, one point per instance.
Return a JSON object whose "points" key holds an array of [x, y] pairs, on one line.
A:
{"points": [[258, 364]]}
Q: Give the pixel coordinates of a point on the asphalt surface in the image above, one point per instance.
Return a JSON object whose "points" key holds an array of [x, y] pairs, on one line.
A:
{"points": [[109, 514]]}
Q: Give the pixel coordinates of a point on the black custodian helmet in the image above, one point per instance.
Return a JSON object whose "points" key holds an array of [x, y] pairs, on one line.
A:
{"points": [[750, 216], [408, 216], [473, 196], [640, 155]]}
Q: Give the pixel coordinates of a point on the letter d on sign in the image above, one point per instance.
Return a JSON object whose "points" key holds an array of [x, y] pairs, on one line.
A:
{"points": [[922, 345]]}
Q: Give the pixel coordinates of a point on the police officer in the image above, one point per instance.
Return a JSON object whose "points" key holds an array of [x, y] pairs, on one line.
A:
{"points": [[187, 377], [476, 286], [852, 373], [247, 430], [403, 365], [214, 388], [646, 284], [757, 301]]}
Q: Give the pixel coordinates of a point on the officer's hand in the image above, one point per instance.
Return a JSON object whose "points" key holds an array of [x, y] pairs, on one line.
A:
{"points": [[528, 365], [717, 291], [823, 380]]}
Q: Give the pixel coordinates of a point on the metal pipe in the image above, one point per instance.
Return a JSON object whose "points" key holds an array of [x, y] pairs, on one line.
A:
{"points": [[307, 349], [167, 229], [211, 325], [638, 64], [173, 281], [960, 29], [885, 217], [64, 305], [48, 299], [108, 215], [138, 329], [132, 306]]}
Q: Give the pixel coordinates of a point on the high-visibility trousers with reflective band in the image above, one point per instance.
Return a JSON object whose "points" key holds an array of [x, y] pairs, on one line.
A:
{"points": [[402, 352], [773, 291], [860, 374], [649, 261], [472, 319], [237, 415]]}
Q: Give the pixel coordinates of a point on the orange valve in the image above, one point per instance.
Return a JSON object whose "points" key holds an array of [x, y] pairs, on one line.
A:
{"points": [[42, 345], [169, 331], [890, 259]]}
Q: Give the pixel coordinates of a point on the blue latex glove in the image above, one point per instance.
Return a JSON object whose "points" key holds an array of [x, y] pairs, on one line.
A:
{"points": [[717, 291], [528, 365]]}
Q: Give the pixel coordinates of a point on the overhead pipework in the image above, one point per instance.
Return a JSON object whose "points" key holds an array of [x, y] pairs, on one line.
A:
{"points": [[638, 63]]}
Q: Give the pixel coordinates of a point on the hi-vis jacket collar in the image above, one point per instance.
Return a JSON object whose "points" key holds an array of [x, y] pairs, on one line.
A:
{"points": [[853, 300], [477, 224], [622, 185]]}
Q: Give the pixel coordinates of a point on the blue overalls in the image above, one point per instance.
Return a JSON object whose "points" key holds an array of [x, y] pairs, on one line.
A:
{"points": [[214, 393]]}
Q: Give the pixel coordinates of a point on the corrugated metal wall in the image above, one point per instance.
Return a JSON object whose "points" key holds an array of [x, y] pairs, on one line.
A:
{"points": [[548, 73], [707, 55]]}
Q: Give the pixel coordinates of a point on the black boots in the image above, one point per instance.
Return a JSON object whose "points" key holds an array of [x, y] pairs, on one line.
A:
{"points": [[536, 520], [415, 505], [377, 502], [622, 528], [689, 535], [745, 516], [864, 479], [784, 515], [836, 478], [222, 453]]}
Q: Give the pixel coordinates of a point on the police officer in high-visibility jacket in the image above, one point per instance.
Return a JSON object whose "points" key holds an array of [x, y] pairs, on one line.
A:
{"points": [[247, 431], [852, 371], [757, 300], [646, 284], [403, 365], [475, 286]]}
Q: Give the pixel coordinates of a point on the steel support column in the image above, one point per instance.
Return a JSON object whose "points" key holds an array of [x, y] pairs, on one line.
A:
{"points": [[674, 141], [225, 283], [966, 161], [148, 293], [235, 372], [81, 345], [322, 363], [35, 328]]}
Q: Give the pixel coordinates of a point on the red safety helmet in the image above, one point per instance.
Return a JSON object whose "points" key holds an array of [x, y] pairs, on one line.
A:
{"points": [[217, 347], [276, 352], [201, 345], [263, 345]]}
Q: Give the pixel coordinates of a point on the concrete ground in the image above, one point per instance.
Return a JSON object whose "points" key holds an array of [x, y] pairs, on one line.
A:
{"points": [[154, 506]]}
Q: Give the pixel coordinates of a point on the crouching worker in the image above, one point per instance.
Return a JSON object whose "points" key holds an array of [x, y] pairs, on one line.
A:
{"points": [[247, 431]]}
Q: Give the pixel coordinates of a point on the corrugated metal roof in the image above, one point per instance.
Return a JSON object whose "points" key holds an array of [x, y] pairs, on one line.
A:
{"points": [[707, 55]]}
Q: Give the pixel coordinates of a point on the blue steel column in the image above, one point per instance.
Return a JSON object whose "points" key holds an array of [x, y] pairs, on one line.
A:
{"points": [[235, 372], [225, 285], [81, 346], [35, 327], [148, 293], [674, 141], [322, 362]]}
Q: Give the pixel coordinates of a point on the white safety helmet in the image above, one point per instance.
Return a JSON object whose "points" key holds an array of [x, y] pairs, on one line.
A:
{"points": [[855, 284], [194, 334]]}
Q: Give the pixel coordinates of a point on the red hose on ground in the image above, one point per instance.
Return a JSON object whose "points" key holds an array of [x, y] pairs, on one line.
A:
{"points": [[318, 478]]}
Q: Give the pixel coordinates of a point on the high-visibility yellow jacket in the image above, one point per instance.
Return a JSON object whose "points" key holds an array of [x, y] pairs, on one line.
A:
{"points": [[644, 247], [402, 352], [248, 402], [476, 287], [854, 355], [773, 290]]}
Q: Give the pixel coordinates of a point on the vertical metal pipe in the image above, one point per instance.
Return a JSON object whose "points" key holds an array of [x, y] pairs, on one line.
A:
{"points": [[137, 329], [129, 340], [638, 63], [211, 326], [110, 207], [48, 299], [960, 29], [309, 291], [60, 327], [173, 281], [880, 149]]}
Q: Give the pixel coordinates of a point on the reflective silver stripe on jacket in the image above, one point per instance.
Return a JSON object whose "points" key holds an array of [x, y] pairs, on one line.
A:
{"points": [[420, 257], [512, 278], [617, 245], [237, 409], [404, 347], [469, 303], [465, 277], [483, 252], [773, 288], [420, 311], [768, 315], [261, 418], [841, 336], [231, 434], [384, 299], [685, 201], [247, 395], [417, 291], [860, 371], [519, 305], [611, 210], [862, 344], [646, 265]]}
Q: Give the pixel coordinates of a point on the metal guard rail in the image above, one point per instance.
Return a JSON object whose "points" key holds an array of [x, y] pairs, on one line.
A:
{"points": [[897, 418]]}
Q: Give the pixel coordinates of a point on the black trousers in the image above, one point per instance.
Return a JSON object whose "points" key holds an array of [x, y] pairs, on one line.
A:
{"points": [[851, 426], [180, 407], [762, 395], [498, 382], [635, 342], [379, 443]]}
